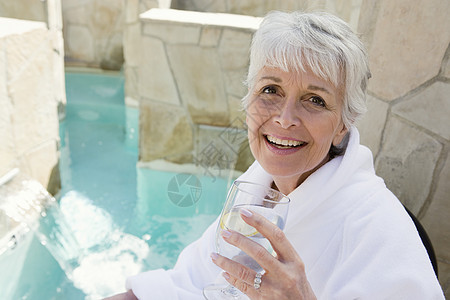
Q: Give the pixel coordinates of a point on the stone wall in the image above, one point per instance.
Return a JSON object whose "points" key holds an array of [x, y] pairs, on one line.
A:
{"points": [[190, 76], [29, 97], [34, 10], [94, 29], [407, 126], [97, 32], [93, 33], [48, 11], [185, 69], [131, 45], [346, 9]]}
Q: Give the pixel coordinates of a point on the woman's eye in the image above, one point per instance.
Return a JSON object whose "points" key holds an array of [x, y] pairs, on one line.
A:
{"points": [[317, 101], [269, 90]]}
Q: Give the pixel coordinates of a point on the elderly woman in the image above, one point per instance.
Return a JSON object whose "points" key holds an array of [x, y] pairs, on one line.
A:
{"points": [[347, 236]]}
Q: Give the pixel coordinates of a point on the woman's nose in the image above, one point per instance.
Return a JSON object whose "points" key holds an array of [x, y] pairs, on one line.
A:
{"points": [[286, 115]]}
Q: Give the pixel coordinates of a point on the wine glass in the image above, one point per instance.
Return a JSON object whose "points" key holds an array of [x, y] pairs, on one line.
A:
{"points": [[271, 204]]}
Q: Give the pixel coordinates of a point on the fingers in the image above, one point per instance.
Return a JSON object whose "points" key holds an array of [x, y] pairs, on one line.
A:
{"points": [[287, 265], [258, 253], [284, 249], [233, 268], [238, 275], [244, 287]]}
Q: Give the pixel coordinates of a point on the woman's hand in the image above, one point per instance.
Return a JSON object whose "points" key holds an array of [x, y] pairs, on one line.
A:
{"points": [[284, 277]]}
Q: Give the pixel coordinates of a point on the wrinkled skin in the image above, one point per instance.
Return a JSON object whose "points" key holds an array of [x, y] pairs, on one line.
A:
{"points": [[299, 107]]}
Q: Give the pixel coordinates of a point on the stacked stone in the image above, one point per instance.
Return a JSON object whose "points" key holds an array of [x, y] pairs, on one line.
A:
{"points": [[93, 33], [190, 84], [132, 46], [346, 9], [28, 101]]}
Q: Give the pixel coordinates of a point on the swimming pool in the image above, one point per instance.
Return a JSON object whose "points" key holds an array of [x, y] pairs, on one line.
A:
{"points": [[120, 218]]}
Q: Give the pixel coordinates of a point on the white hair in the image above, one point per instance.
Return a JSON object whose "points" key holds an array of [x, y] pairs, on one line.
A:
{"points": [[319, 42]]}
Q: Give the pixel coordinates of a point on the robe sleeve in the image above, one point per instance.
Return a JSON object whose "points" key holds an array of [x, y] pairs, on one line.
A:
{"points": [[192, 272], [382, 257]]}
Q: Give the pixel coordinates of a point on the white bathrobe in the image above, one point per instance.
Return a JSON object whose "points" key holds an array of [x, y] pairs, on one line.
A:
{"points": [[353, 234]]}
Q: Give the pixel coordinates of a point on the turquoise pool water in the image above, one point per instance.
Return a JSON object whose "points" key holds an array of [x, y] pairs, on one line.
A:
{"points": [[119, 218]]}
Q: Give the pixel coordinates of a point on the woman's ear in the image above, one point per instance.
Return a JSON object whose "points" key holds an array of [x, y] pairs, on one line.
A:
{"points": [[340, 134]]}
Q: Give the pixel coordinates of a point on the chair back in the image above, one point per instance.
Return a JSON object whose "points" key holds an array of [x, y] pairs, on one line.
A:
{"points": [[425, 240]]}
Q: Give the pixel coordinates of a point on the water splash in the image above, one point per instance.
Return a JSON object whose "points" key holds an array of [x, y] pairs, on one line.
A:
{"points": [[28, 204], [110, 255], [94, 254]]}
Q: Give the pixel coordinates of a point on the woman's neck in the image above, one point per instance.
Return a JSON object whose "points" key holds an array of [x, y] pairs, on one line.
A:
{"points": [[287, 184]]}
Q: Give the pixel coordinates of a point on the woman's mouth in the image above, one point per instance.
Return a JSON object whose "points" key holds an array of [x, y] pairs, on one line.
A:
{"points": [[282, 143]]}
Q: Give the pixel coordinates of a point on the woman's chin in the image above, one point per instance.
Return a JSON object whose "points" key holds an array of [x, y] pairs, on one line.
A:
{"points": [[277, 170]]}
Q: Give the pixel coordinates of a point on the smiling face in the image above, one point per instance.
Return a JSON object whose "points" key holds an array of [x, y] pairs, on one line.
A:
{"points": [[293, 118]]}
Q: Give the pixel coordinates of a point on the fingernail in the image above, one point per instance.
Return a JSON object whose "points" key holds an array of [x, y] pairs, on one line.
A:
{"points": [[246, 212], [226, 275], [226, 234], [214, 256]]}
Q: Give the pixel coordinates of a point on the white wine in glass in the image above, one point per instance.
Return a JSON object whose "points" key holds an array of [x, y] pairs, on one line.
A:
{"points": [[270, 203]]}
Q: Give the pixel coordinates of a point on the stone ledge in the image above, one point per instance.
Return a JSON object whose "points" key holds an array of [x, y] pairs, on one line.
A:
{"points": [[14, 26], [200, 18], [191, 168]]}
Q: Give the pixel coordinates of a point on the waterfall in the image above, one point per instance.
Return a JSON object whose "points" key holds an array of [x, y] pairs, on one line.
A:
{"points": [[27, 204], [93, 252]]}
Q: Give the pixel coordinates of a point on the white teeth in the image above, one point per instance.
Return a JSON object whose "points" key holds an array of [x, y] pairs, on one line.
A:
{"points": [[281, 142]]}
